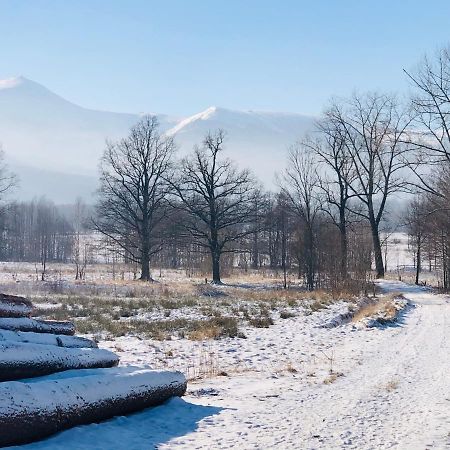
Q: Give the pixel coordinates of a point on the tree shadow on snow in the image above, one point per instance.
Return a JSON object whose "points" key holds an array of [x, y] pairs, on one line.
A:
{"points": [[144, 430]]}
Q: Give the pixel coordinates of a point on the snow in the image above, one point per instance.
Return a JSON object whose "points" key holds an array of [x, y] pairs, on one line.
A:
{"points": [[8, 309], [141, 431], [46, 339], [203, 115], [76, 388], [41, 326], [39, 355], [389, 386]]}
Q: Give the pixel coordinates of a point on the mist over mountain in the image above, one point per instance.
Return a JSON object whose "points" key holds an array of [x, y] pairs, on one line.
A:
{"points": [[54, 145]]}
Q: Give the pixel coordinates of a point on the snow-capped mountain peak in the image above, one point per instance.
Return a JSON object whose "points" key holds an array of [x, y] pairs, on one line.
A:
{"points": [[204, 115], [41, 131]]}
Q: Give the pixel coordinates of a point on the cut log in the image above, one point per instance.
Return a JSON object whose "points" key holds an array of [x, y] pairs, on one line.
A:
{"points": [[29, 412], [13, 306], [37, 326], [46, 339], [33, 360]]}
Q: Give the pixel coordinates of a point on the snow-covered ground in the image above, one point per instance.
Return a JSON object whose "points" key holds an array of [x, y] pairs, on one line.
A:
{"points": [[389, 387]]}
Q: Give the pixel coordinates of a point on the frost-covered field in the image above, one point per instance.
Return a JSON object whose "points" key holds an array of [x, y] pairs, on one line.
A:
{"points": [[268, 371]]}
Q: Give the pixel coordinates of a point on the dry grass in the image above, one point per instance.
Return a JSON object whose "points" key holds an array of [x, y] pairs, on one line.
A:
{"points": [[384, 308], [317, 305], [215, 328], [198, 312], [287, 314], [207, 332], [332, 377], [173, 306], [194, 329]]}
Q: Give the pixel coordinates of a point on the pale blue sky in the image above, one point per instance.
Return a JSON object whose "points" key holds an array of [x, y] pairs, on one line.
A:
{"points": [[179, 57]]}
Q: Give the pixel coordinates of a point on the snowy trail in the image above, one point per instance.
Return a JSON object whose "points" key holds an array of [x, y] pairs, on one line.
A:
{"points": [[394, 393]]}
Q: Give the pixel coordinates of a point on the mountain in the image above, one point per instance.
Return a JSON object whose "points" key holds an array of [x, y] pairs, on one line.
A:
{"points": [[54, 145], [257, 140]]}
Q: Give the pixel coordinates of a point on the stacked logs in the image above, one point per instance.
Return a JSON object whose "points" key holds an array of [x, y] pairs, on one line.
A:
{"points": [[65, 380]]}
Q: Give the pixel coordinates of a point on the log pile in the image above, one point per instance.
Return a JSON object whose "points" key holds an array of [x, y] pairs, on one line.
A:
{"points": [[51, 380]]}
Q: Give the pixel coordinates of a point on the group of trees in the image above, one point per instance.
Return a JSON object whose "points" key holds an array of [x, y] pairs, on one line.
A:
{"points": [[324, 223], [428, 215], [333, 195], [142, 194], [205, 204], [35, 231]]}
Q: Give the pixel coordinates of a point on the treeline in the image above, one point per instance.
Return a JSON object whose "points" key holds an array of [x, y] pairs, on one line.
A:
{"points": [[428, 215], [276, 241], [40, 232], [204, 209], [35, 231]]}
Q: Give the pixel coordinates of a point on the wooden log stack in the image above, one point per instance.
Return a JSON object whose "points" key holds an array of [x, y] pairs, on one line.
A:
{"points": [[51, 380]]}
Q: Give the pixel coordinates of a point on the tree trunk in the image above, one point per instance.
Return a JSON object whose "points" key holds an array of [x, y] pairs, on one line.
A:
{"points": [[283, 260], [145, 259], [310, 259], [418, 259], [145, 267], [378, 253], [215, 255], [19, 360], [116, 393], [255, 253], [344, 245]]}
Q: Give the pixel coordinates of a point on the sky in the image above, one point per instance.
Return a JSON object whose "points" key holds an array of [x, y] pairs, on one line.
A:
{"points": [[180, 57]]}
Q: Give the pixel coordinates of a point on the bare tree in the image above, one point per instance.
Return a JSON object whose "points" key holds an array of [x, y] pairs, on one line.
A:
{"points": [[332, 152], [80, 253], [219, 199], [431, 105], [374, 128], [416, 225], [8, 179], [300, 185], [261, 206], [132, 197]]}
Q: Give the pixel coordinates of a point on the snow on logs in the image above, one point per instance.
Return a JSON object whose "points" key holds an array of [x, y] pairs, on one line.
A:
{"points": [[51, 395], [37, 326], [28, 412], [19, 360], [47, 339], [12, 306]]}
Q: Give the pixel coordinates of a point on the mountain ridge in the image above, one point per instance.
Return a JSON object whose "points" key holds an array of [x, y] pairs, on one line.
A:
{"points": [[43, 132]]}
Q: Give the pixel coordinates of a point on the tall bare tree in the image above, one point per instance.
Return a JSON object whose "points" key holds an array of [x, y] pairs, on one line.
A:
{"points": [[300, 185], [333, 154], [374, 127], [80, 253], [416, 218], [431, 105], [219, 199], [133, 193]]}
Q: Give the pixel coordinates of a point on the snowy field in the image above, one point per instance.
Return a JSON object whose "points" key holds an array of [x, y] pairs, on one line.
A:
{"points": [[291, 382]]}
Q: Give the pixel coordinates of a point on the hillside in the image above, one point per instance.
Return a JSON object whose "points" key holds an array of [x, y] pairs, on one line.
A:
{"points": [[54, 145]]}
